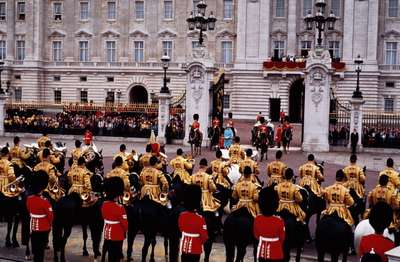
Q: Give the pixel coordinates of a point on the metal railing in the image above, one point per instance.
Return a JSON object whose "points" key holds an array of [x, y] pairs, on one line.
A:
{"points": [[384, 67]]}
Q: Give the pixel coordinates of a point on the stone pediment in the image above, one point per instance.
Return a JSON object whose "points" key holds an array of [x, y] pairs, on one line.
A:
{"points": [[391, 33], [2, 32], [110, 33], [83, 33], [167, 33], [225, 33], [278, 32], [138, 33], [306, 33], [57, 33], [334, 32], [195, 33]]}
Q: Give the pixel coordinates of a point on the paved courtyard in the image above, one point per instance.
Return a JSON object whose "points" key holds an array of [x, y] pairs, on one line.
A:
{"points": [[294, 159]]}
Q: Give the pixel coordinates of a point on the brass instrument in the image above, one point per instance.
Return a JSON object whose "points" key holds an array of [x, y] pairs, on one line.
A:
{"points": [[13, 186], [85, 196], [163, 197]]}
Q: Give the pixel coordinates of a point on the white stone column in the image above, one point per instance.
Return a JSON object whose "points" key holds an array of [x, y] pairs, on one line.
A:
{"points": [[164, 101], [356, 118], [317, 102], [292, 28], [3, 100], [348, 33]]}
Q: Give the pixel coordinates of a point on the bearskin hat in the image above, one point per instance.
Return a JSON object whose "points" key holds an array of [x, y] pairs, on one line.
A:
{"points": [[113, 187], [192, 197], [268, 200], [39, 181]]}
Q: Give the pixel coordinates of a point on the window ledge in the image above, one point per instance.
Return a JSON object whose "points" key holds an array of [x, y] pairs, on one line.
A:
{"points": [[139, 19], [168, 19]]}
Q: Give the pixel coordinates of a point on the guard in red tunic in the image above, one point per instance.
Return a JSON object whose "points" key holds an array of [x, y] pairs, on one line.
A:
{"points": [[88, 137], [41, 215], [192, 225], [216, 123], [196, 124], [269, 229], [115, 220]]}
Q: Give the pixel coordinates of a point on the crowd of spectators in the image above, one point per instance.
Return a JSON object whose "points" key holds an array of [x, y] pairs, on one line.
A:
{"points": [[126, 124], [371, 137]]}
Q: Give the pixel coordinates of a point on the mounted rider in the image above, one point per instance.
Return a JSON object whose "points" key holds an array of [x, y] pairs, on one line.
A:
{"points": [[263, 138], [394, 178], [118, 171], [79, 178], [126, 157], [54, 158], [276, 169], [6, 173], [150, 179], [206, 182], [220, 171], [290, 196], [247, 194], [311, 176], [255, 171], [236, 153], [181, 166], [354, 177], [76, 153], [17, 154], [88, 141], [42, 140], [339, 199]]}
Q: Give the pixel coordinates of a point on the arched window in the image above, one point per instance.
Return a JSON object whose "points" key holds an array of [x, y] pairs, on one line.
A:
{"points": [[138, 95]]}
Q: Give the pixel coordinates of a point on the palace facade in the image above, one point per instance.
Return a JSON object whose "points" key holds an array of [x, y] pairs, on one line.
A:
{"points": [[62, 51]]}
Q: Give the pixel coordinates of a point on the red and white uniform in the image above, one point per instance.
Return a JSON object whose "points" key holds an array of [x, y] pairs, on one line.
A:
{"points": [[215, 123], [115, 221], [270, 232], [194, 233], [196, 125], [376, 243], [41, 213], [88, 137], [230, 122], [263, 128]]}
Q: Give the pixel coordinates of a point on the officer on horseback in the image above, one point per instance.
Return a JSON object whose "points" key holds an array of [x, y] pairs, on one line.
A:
{"points": [[6, 173], [206, 182], [144, 160], [236, 153], [276, 169], [339, 199], [125, 157], [263, 138], [53, 158], [79, 178], [246, 192], [220, 171], [118, 171], [18, 155], [354, 177], [180, 167], [76, 153], [394, 179], [310, 175], [290, 196], [255, 171], [151, 178], [42, 140]]}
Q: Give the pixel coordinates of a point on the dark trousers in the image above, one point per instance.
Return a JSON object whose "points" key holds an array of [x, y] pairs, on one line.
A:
{"points": [[114, 249], [39, 242], [353, 149], [190, 258]]}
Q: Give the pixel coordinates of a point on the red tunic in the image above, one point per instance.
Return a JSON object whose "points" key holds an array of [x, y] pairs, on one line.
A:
{"points": [[379, 244], [88, 138], [41, 213], [230, 122], [270, 232], [278, 137], [215, 123], [196, 125], [263, 128], [115, 221], [194, 233]]}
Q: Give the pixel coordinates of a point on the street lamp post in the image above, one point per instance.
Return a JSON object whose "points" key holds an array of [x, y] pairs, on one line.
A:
{"points": [[200, 22], [165, 60], [358, 62], [321, 22]]}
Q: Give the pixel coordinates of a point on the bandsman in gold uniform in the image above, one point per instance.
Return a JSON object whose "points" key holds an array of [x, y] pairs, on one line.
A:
{"points": [[6, 173], [236, 153], [339, 199], [394, 179], [276, 169], [205, 181], [76, 153], [180, 165], [220, 171], [255, 171], [79, 178], [126, 157], [311, 176], [53, 158], [290, 196], [120, 172], [144, 160], [18, 155], [246, 192], [42, 140], [354, 177], [151, 178]]}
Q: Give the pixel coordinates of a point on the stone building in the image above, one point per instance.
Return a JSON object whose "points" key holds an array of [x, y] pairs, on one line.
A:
{"points": [[58, 51]]}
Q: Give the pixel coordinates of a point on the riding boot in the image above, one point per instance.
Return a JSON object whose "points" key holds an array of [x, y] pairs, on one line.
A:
{"points": [[15, 243]]}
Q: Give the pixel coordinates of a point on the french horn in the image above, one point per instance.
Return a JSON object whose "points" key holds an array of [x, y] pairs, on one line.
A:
{"points": [[163, 197]]}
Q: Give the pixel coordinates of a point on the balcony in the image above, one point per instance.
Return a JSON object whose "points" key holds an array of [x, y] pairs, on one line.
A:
{"points": [[389, 67], [297, 66]]}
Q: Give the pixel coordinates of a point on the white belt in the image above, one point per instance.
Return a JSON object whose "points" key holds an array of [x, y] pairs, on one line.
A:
{"points": [[261, 241], [184, 234], [286, 201], [109, 222], [37, 216]]}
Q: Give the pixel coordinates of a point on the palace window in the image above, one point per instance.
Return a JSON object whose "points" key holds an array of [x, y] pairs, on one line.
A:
{"points": [[279, 49], [389, 104], [139, 10], [305, 47], [393, 8], [195, 44], [18, 94], [84, 96], [195, 3], [226, 52], [226, 101], [3, 11], [57, 96], [111, 10], [138, 51], [280, 8], [168, 9], [57, 51], [307, 7], [334, 49], [335, 7], [110, 97], [83, 78], [228, 9], [56, 78], [110, 79], [391, 53], [111, 51], [83, 51], [21, 11], [3, 50], [167, 48], [57, 11], [20, 50], [84, 10]]}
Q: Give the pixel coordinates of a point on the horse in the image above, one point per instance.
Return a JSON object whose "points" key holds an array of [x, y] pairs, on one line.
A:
{"points": [[333, 236], [195, 141], [263, 141], [214, 133], [287, 136]]}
